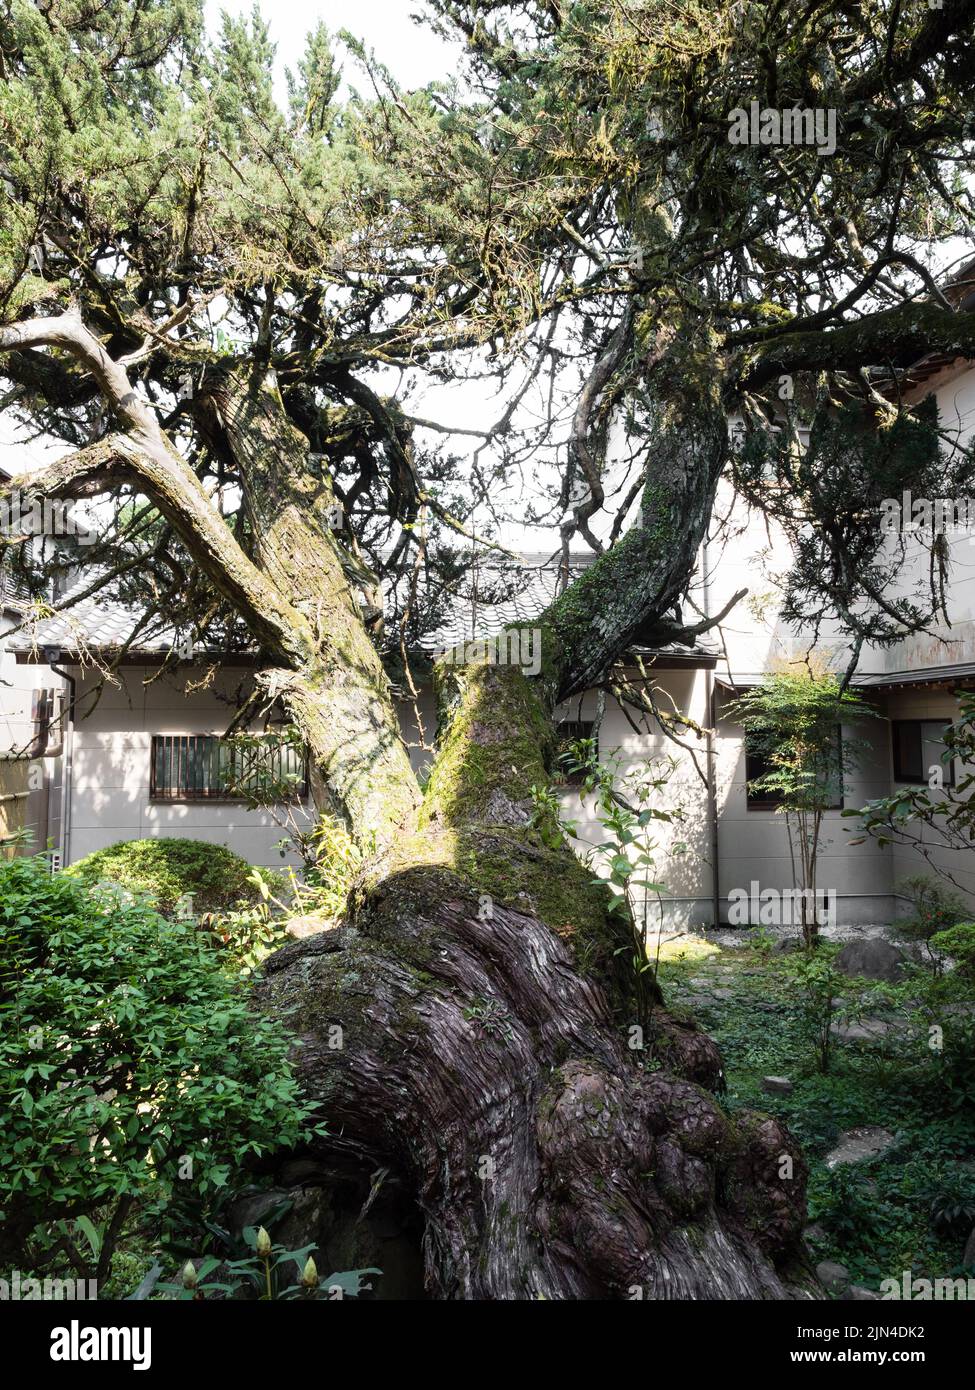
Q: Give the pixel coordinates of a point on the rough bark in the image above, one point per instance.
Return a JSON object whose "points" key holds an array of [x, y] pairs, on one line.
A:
{"points": [[629, 591], [485, 1062], [293, 595], [480, 985], [338, 694]]}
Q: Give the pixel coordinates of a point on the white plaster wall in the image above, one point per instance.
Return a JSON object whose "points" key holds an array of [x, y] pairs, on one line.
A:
{"points": [[17, 686], [110, 794], [958, 865], [752, 844]]}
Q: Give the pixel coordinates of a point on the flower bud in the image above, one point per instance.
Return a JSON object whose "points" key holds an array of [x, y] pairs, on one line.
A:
{"points": [[263, 1243], [309, 1275], [189, 1275]]}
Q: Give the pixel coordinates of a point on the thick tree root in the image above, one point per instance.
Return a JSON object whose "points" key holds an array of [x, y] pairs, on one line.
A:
{"points": [[463, 1051]]}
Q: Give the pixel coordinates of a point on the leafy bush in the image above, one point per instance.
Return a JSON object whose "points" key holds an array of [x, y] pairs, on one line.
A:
{"points": [[169, 869], [935, 907], [266, 1271], [959, 943], [955, 1066], [845, 1205], [133, 1064], [820, 991]]}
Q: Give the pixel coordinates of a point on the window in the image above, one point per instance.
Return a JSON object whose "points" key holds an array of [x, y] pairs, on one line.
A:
{"points": [[571, 731], [203, 767], [759, 799], [757, 765], [918, 746]]}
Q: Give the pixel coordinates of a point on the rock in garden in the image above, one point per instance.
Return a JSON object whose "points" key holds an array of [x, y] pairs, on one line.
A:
{"points": [[867, 1030], [309, 924], [856, 1293], [873, 958], [777, 1085], [832, 1276], [854, 1145]]}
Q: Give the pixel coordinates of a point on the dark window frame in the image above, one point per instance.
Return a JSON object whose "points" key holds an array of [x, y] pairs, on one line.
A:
{"points": [[769, 801], [895, 751], [176, 791]]}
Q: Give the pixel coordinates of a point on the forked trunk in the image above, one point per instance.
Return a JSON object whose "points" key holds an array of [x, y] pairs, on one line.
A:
{"points": [[468, 1035]]}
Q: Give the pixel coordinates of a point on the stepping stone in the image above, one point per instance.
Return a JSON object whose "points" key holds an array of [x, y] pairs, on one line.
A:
{"points": [[777, 1085], [855, 1145], [867, 1030], [873, 959]]}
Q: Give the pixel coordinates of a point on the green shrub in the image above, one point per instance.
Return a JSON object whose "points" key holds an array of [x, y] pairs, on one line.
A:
{"points": [[168, 869], [935, 907], [959, 943], [132, 1065]]}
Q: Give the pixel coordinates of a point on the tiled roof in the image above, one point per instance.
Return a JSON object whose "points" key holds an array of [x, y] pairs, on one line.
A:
{"points": [[494, 596], [90, 624], [499, 594]]}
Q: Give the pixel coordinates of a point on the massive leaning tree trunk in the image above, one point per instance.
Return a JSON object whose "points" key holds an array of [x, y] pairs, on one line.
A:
{"points": [[468, 1032], [485, 1066]]}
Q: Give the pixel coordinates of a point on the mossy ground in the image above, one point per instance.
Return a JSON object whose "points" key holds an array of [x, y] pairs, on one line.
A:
{"points": [[877, 1218]]}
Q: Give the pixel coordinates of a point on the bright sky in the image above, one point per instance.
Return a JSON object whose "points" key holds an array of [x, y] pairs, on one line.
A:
{"points": [[410, 51]]}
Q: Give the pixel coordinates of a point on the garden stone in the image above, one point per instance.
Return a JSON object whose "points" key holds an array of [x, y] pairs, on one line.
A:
{"points": [[863, 1141], [872, 958], [856, 1293], [833, 1277], [786, 943], [867, 1030], [814, 1232], [777, 1085], [308, 924], [254, 1210]]}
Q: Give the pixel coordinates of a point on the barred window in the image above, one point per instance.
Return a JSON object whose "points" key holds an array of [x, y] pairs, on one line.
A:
{"points": [[203, 767]]}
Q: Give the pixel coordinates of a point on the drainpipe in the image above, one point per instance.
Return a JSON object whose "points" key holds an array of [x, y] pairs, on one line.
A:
{"points": [[53, 655], [711, 752]]}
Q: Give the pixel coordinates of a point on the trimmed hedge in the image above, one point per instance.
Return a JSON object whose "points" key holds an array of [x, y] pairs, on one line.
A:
{"points": [[168, 868]]}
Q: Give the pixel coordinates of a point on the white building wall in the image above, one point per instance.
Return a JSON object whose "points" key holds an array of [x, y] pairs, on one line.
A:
{"points": [[110, 797], [17, 686]]}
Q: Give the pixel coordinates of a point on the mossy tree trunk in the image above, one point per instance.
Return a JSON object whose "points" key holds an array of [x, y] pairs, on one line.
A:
{"points": [[469, 1031], [479, 991]]}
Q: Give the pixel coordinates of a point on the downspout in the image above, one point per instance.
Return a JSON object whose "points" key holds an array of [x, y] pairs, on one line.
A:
{"points": [[711, 753], [67, 755]]}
